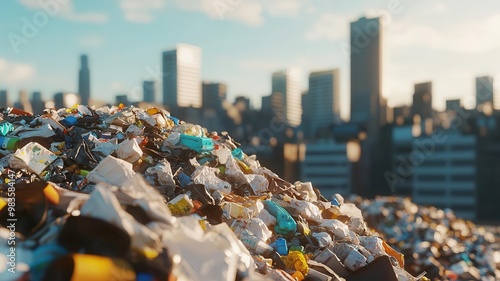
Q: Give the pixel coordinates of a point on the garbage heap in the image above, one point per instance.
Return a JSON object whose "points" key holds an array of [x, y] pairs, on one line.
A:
{"points": [[434, 240], [122, 193]]}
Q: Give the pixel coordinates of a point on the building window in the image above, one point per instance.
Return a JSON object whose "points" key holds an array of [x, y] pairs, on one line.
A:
{"points": [[462, 147], [463, 177], [461, 162], [465, 193], [431, 192], [434, 163], [432, 178], [463, 207]]}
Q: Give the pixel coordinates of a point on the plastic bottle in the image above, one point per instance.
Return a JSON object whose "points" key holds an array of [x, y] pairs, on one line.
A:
{"points": [[281, 246], [237, 153], [184, 179], [253, 242], [284, 222], [69, 121], [10, 143]]}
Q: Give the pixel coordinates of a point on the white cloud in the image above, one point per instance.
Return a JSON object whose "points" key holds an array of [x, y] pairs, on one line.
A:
{"points": [[11, 72], [329, 26], [468, 38], [247, 12], [67, 11], [140, 11], [439, 8], [91, 41], [87, 17], [283, 7], [32, 4]]}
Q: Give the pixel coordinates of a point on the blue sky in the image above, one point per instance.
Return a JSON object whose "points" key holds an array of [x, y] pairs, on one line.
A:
{"points": [[244, 41]]}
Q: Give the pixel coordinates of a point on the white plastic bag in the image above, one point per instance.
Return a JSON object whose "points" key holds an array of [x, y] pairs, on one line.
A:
{"points": [[206, 176], [129, 150], [111, 170]]}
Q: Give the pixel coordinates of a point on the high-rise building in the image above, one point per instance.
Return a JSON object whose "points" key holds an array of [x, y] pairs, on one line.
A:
{"points": [[366, 73], [324, 99], [37, 104], [213, 95], [484, 91], [453, 105], [422, 101], [447, 177], [306, 115], [4, 98], [84, 80], [23, 102], [62, 99], [287, 82], [181, 77], [272, 115], [401, 115], [326, 165], [242, 103], [149, 91], [122, 99]]}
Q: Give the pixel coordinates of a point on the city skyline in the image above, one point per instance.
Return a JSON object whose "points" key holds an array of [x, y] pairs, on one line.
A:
{"points": [[120, 63]]}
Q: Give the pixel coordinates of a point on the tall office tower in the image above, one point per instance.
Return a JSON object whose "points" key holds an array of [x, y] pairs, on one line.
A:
{"points": [[4, 98], [324, 98], [67, 100], [37, 103], [422, 101], [484, 91], [366, 73], [84, 80], [401, 115], [122, 99], [306, 115], [213, 95], [23, 102], [181, 77], [453, 105], [149, 91], [287, 82], [242, 103]]}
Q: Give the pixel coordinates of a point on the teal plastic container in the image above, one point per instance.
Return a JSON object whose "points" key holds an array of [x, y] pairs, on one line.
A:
{"points": [[285, 224], [198, 144], [5, 128]]}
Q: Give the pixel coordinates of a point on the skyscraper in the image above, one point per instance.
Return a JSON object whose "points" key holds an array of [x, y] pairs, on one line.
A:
{"points": [[67, 100], [287, 82], [84, 80], [213, 95], [122, 99], [366, 73], [422, 101], [4, 98], [149, 91], [484, 91], [453, 105], [37, 103], [324, 88], [181, 77], [23, 102]]}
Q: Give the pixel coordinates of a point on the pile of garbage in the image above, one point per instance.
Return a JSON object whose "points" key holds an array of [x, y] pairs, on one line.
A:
{"points": [[434, 240], [122, 193]]}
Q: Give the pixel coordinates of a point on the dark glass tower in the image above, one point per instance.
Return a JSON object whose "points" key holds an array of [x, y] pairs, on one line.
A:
{"points": [[84, 80]]}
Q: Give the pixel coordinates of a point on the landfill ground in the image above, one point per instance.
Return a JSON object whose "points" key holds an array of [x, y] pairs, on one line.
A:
{"points": [[123, 193]]}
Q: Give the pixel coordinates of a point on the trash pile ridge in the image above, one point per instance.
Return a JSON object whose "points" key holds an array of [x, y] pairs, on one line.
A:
{"points": [[123, 193]]}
